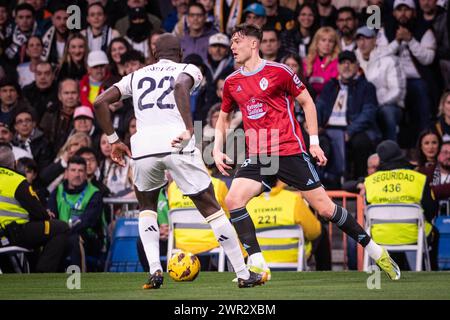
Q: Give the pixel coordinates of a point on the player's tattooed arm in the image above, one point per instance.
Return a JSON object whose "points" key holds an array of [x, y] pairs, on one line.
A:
{"points": [[182, 89], [223, 123], [103, 116], [307, 103]]}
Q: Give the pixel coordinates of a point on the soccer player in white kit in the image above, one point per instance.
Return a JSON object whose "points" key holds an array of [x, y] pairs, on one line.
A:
{"points": [[164, 141]]}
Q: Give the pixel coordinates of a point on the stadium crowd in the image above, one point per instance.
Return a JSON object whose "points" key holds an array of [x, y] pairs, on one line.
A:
{"points": [[391, 82]]}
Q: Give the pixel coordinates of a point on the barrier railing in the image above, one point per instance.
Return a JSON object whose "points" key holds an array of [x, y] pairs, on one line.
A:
{"points": [[344, 195], [122, 207]]}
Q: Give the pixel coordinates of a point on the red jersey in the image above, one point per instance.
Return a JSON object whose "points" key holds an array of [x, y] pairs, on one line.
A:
{"points": [[266, 100]]}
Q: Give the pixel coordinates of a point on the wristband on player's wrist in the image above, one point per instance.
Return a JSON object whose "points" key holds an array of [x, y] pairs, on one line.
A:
{"points": [[113, 138], [314, 140]]}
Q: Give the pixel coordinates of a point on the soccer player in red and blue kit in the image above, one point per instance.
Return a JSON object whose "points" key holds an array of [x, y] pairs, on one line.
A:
{"points": [[264, 92]]}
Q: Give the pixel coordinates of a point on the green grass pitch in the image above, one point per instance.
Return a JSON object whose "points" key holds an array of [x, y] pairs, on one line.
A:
{"points": [[218, 286]]}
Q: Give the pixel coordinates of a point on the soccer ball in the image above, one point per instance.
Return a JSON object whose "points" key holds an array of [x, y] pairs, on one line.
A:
{"points": [[184, 266]]}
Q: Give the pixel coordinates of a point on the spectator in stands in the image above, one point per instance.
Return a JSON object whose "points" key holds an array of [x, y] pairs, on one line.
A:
{"points": [[415, 45], [278, 18], [83, 121], [415, 189], [139, 31], [196, 38], [347, 23], [152, 45], [210, 127], [180, 9], [347, 113], [271, 46], [298, 39], [255, 14], [219, 58], [118, 179], [57, 123], [132, 60], [74, 61], [130, 125], [10, 100], [53, 174], [92, 84], [428, 146], [25, 27], [439, 174], [43, 92], [28, 167], [438, 18], [41, 13], [229, 14], [6, 23], [55, 38], [98, 34], [6, 136], [443, 123], [92, 169], [289, 208], [357, 186], [356, 5], [80, 204], [30, 138], [385, 73], [321, 64], [123, 25], [327, 13], [209, 8], [116, 49], [27, 70]]}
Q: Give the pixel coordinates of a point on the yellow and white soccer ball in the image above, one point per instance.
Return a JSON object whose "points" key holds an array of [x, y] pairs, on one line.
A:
{"points": [[184, 266]]}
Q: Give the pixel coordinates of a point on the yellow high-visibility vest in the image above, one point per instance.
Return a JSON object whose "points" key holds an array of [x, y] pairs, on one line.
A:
{"points": [[195, 240], [282, 208], [395, 186], [10, 208]]}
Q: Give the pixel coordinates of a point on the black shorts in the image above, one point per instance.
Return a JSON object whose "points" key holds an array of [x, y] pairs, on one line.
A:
{"points": [[296, 171]]}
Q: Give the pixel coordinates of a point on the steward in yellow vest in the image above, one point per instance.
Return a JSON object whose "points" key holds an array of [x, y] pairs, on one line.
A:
{"points": [[195, 240], [24, 221], [396, 182], [281, 208]]}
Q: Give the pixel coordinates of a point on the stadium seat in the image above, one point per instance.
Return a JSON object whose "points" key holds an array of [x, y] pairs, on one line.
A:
{"points": [[400, 213], [17, 257], [442, 223], [190, 219], [289, 231], [122, 255]]}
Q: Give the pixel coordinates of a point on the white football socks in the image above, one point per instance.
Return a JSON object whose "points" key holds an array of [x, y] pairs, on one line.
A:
{"points": [[227, 237], [149, 233], [374, 250]]}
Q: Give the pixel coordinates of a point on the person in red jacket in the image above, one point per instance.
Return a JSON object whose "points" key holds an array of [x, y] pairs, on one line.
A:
{"points": [[91, 85]]}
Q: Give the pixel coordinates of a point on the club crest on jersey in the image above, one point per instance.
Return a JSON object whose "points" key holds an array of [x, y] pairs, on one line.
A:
{"points": [[263, 84], [255, 109]]}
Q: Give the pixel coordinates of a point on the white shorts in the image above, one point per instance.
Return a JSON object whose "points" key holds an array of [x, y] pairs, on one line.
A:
{"points": [[187, 170]]}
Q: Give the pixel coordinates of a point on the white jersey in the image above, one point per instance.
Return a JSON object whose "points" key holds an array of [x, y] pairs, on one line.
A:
{"points": [[158, 120]]}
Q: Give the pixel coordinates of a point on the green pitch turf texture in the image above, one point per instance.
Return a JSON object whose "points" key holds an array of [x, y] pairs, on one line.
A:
{"points": [[218, 286]]}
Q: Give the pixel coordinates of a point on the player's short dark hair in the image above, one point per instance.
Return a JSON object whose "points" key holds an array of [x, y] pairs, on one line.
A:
{"points": [[76, 160], [248, 30], [25, 6], [132, 55], [347, 9]]}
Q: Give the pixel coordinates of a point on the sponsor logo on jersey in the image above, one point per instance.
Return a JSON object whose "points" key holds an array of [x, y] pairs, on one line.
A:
{"points": [[263, 84], [255, 109]]}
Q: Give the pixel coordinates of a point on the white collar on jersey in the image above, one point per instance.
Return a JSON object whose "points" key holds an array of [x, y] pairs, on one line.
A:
{"points": [[260, 67]]}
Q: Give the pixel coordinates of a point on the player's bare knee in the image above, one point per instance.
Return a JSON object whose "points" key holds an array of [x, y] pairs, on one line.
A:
{"points": [[326, 209], [234, 201]]}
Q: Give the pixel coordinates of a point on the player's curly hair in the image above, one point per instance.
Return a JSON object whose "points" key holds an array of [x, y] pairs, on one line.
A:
{"points": [[249, 30]]}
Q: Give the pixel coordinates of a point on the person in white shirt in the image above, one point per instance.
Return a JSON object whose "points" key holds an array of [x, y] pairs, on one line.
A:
{"points": [[384, 72], [414, 43], [164, 141]]}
